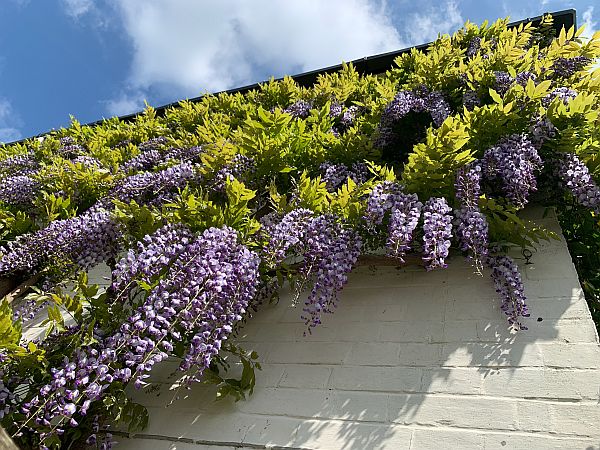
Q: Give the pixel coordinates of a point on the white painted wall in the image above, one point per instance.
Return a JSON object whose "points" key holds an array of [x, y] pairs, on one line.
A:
{"points": [[409, 360]]}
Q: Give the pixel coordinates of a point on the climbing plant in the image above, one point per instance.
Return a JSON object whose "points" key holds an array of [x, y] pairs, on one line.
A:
{"points": [[203, 213]]}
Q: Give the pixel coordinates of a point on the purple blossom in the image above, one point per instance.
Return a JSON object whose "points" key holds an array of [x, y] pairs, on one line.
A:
{"points": [[471, 100], [567, 67], [513, 163], [239, 166], [153, 255], [468, 180], [509, 285], [24, 164], [299, 109], [330, 251], [87, 161], [502, 82], [151, 187], [474, 46], [382, 198], [18, 190], [85, 240], [576, 178], [523, 77], [437, 231], [153, 144], [472, 233], [404, 219], [471, 224], [420, 100], [285, 235], [541, 130], [563, 93]]}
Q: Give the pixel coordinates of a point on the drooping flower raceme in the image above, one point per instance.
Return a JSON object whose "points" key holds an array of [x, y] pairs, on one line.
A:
{"points": [[382, 198], [566, 67], [509, 285], [576, 178], [336, 175], [153, 255], [85, 240], [204, 293], [286, 234], [24, 164], [437, 231], [239, 166], [330, 251], [299, 109], [471, 225], [404, 219], [513, 162], [151, 187], [18, 190], [468, 182], [563, 93]]}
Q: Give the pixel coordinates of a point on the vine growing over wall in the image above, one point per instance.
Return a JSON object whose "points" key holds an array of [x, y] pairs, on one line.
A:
{"points": [[203, 213]]}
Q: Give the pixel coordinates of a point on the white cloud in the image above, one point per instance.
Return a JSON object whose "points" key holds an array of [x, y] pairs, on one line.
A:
{"points": [[424, 26], [9, 122], [589, 23], [126, 103], [77, 8], [192, 46]]}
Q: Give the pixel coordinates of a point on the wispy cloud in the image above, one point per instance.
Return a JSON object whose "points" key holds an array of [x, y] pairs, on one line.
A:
{"points": [[589, 22], [9, 122], [187, 47], [77, 8], [425, 25], [126, 102]]}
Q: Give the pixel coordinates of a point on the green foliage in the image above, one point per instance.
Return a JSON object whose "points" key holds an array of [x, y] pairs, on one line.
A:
{"points": [[288, 152]]}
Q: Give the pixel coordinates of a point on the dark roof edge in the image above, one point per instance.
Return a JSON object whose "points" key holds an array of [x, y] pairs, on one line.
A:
{"points": [[368, 65]]}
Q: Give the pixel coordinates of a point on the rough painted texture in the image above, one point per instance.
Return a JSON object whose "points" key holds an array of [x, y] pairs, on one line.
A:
{"points": [[409, 360]]}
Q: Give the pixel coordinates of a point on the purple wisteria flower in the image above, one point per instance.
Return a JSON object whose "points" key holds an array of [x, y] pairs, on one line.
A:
{"points": [[541, 130], [502, 82], [151, 187], [563, 93], [567, 67], [437, 231], [152, 255], [330, 251], [471, 225], [404, 219], [509, 285], [474, 46], [382, 199], [424, 106], [513, 162], [87, 161], [204, 293], [240, 166], [153, 144], [18, 190], [299, 109], [86, 240], [471, 100], [24, 164], [336, 175], [576, 178], [523, 77]]}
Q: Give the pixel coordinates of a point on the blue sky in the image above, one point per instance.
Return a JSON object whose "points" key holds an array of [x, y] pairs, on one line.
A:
{"points": [[99, 58]]}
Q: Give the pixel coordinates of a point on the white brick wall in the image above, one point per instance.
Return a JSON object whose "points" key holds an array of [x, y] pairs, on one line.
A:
{"points": [[410, 360]]}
